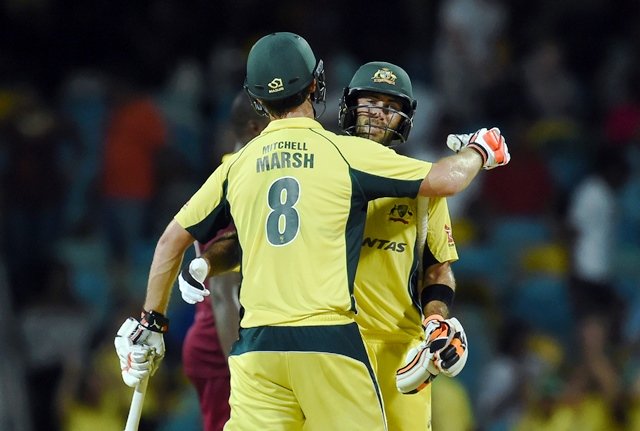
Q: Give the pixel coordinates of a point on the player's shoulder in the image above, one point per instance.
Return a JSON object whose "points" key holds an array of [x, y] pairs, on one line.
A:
{"points": [[357, 144]]}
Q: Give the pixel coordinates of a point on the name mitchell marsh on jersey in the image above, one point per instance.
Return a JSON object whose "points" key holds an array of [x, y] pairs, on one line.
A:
{"points": [[275, 159]]}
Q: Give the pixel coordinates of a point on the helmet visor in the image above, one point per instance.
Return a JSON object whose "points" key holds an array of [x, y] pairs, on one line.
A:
{"points": [[382, 124]]}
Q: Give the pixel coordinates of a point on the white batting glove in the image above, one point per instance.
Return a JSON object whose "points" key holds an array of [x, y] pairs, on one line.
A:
{"points": [[490, 144], [451, 359], [418, 370], [459, 141], [191, 281], [140, 346]]}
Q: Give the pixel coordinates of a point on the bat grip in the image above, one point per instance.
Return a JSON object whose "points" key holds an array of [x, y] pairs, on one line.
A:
{"points": [[135, 411]]}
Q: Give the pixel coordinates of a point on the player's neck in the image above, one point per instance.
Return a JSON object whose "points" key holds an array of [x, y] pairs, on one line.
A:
{"points": [[304, 110]]}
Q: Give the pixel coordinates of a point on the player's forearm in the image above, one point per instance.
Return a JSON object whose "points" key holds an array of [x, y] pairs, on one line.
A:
{"points": [[223, 255], [452, 174], [165, 266], [437, 276]]}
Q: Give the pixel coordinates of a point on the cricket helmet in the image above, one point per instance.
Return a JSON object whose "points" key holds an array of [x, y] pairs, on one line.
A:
{"points": [[382, 78], [281, 65]]}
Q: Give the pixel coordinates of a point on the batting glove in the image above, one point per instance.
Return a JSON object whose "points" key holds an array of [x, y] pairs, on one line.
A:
{"points": [[140, 346], [444, 350], [191, 281], [418, 371], [490, 144], [451, 359]]}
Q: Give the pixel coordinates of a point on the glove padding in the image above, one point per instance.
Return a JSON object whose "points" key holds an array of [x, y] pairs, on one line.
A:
{"points": [[490, 144], [140, 351], [419, 370], [451, 359], [444, 350], [191, 281]]}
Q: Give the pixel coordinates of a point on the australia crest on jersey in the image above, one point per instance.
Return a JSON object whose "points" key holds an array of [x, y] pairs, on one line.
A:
{"points": [[400, 213]]}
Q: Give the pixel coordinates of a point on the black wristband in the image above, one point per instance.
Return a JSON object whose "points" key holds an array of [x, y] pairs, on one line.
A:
{"points": [[154, 321], [437, 292]]}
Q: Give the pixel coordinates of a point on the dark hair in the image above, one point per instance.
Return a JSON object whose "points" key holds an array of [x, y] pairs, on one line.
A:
{"points": [[277, 108]]}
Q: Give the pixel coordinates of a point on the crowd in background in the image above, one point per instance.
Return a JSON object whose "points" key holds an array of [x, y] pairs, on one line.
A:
{"points": [[111, 117]]}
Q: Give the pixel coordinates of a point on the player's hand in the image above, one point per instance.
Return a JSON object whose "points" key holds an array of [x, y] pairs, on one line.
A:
{"points": [[191, 281], [457, 142], [490, 144], [451, 359], [444, 350], [418, 370], [140, 346]]}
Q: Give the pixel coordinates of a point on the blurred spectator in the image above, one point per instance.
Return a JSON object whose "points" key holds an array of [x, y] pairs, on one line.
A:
{"points": [[466, 56], [622, 122], [591, 219], [82, 100], [503, 380], [598, 305], [40, 147], [224, 77], [552, 89], [553, 409], [555, 98], [181, 103], [135, 131], [56, 331], [15, 413]]}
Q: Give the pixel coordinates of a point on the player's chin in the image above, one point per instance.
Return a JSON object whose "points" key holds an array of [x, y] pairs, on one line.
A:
{"points": [[371, 132]]}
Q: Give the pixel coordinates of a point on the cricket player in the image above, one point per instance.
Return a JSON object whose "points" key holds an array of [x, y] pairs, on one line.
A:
{"points": [[404, 274], [298, 196], [407, 244]]}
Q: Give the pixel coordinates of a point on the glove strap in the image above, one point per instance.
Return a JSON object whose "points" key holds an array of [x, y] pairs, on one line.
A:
{"points": [[435, 317], [480, 150], [191, 279], [154, 321], [437, 292]]}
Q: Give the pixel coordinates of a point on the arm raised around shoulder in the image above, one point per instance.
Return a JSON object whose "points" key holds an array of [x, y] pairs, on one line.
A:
{"points": [[452, 174]]}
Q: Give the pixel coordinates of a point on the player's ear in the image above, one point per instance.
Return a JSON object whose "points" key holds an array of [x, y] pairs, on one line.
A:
{"points": [[312, 87]]}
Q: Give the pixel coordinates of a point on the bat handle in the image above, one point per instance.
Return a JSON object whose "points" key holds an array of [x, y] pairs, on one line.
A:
{"points": [[135, 411]]}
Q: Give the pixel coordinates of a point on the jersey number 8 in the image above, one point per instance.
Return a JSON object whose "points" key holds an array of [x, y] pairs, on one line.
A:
{"points": [[283, 222]]}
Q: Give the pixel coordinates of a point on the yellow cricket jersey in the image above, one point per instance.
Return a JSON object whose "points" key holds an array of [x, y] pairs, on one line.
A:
{"points": [[298, 195], [387, 276]]}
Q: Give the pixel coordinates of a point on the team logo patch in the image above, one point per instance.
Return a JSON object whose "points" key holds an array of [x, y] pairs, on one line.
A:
{"points": [[384, 75], [448, 231], [276, 85], [400, 213]]}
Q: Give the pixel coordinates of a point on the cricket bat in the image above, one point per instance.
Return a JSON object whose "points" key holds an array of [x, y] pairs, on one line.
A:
{"points": [[135, 410]]}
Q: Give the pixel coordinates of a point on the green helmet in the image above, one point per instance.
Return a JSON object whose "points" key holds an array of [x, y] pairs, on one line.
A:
{"points": [[382, 78], [281, 65]]}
